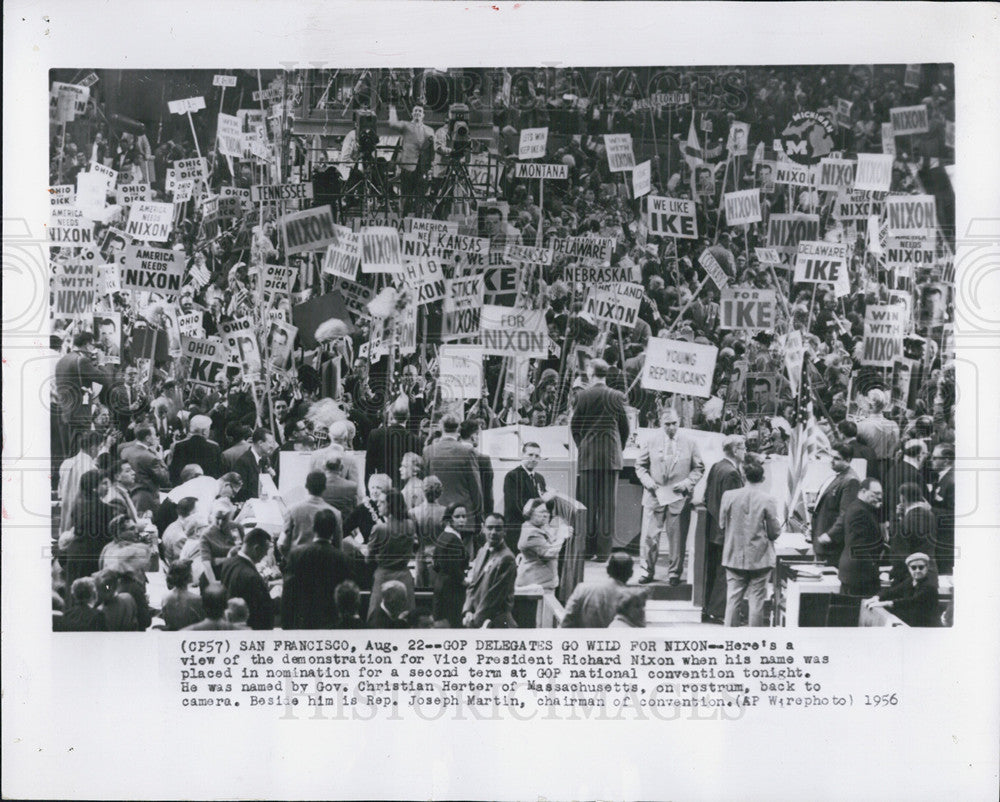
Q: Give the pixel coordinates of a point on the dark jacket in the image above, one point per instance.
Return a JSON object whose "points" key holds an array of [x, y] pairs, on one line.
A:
{"points": [[600, 428], [518, 489], [196, 450], [858, 533], [915, 605], [386, 447], [242, 580], [313, 573], [722, 476], [836, 498]]}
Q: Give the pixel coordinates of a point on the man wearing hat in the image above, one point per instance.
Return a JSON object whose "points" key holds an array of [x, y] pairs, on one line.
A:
{"points": [[914, 599]]}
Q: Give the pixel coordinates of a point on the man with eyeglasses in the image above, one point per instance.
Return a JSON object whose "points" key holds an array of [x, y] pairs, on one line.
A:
{"points": [[859, 533], [521, 485]]}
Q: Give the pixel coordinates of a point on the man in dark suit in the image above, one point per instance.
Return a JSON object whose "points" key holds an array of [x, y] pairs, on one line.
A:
{"points": [[942, 498], [387, 444], [255, 461], [75, 373], [859, 534], [521, 485], [600, 429], [908, 469], [457, 466], [726, 474], [150, 470], [243, 580], [312, 576], [468, 432], [340, 492], [196, 449], [833, 500], [239, 436], [490, 596]]}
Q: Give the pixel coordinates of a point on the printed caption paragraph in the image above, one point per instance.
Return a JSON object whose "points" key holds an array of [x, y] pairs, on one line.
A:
{"points": [[516, 677]]}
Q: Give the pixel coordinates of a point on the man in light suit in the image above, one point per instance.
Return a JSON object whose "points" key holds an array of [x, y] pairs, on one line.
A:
{"points": [[669, 466], [600, 429], [833, 500], [749, 517], [490, 597], [457, 466]]}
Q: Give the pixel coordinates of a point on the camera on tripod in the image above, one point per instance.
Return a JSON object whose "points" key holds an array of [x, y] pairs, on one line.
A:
{"points": [[366, 128], [458, 130]]}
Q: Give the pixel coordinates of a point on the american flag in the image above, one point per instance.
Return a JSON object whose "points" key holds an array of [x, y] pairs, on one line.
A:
{"points": [[806, 442]]}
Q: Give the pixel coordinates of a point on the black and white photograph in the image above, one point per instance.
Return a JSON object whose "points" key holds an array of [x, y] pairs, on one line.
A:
{"points": [[718, 392]]}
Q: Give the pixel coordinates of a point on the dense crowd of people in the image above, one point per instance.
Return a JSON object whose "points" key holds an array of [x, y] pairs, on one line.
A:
{"points": [[159, 474]]}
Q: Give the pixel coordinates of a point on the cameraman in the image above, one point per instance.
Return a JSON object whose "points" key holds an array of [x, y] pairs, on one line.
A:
{"points": [[450, 140], [411, 172]]}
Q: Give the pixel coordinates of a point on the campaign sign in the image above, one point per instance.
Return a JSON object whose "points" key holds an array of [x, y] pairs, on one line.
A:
{"points": [[836, 174], [786, 231], [609, 306], [537, 171], [844, 112], [526, 253], [380, 252], [908, 120], [797, 175], [228, 81], [416, 225], [874, 172], [271, 193], [132, 193], [905, 255], [75, 288], [888, 139], [620, 155], [240, 340], [743, 207], [599, 249], [858, 204], [820, 262], [463, 304], [278, 280], [342, 256], [747, 309], [514, 332], [308, 230], [207, 360], [152, 269], [767, 256], [426, 278], [642, 177], [229, 133], [460, 372], [676, 366], [672, 217], [532, 144], [884, 330], [187, 105], [911, 215], [150, 221], [715, 271], [190, 324], [191, 169]]}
